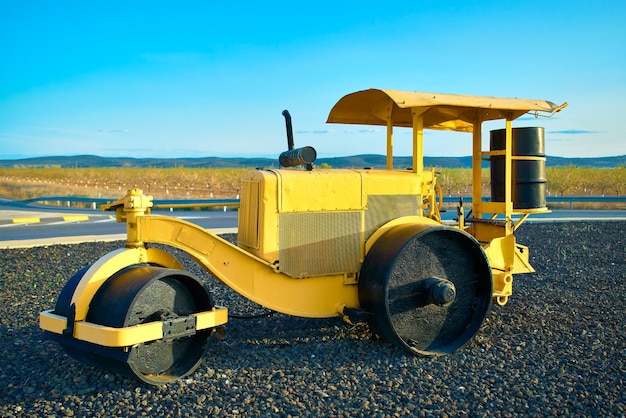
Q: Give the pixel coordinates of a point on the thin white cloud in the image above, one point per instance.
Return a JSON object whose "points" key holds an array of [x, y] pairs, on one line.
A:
{"points": [[574, 132], [113, 131], [317, 132], [332, 131], [361, 131]]}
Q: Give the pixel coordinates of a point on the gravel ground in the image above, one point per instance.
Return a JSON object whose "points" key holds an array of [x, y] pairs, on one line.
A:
{"points": [[557, 348]]}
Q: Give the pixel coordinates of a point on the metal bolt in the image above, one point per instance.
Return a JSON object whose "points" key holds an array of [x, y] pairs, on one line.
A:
{"points": [[442, 292]]}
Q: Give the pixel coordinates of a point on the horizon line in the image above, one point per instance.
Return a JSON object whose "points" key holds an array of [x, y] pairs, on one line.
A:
{"points": [[16, 158]]}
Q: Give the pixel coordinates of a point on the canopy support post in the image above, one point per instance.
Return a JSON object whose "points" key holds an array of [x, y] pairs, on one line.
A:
{"points": [[418, 142], [389, 144], [477, 164]]}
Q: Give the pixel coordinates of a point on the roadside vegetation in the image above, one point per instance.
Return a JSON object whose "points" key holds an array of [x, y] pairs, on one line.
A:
{"points": [[24, 183], [180, 182]]}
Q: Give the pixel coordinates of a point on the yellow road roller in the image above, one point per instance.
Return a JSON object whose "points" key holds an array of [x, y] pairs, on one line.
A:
{"points": [[361, 244]]}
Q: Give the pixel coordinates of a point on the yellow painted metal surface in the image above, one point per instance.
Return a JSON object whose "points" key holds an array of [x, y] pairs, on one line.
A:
{"points": [[444, 111], [417, 220], [211, 319], [501, 252], [506, 258], [316, 223], [521, 263], [252, 277], [320, 190], [502, 285], [258, 214], [110, 264], [383, 182], [127, 336]]}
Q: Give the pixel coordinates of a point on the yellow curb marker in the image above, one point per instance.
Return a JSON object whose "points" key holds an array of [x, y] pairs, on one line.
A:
{"points": [[26, 220], [76, 218]]}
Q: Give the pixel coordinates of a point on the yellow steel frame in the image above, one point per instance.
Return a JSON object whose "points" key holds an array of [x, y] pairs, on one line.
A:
{"points": [[251, 276], [128, 336], [317, 297]]}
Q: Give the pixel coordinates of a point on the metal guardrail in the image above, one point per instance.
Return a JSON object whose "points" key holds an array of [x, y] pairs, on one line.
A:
{"points": [[552, 199], [191, 203], [95, 202], [588, 199]]}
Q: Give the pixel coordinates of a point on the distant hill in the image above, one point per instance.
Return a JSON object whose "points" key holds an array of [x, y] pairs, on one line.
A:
{"points": [[355, 161]]}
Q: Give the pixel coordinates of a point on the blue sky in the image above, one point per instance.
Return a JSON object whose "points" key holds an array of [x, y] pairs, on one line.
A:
{"points": [[203, 78]]}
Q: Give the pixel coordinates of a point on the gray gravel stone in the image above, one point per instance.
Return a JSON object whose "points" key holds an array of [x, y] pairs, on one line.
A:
{"points": [[558, 348]]}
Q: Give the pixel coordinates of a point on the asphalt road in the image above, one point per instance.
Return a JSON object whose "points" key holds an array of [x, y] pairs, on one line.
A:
{"points": [[27, 225]]}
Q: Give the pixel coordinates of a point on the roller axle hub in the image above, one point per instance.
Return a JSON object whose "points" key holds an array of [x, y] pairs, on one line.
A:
{"points": [[440, 291]]}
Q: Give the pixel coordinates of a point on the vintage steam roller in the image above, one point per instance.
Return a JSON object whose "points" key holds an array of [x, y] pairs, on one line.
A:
{"points": [[362, 244]]}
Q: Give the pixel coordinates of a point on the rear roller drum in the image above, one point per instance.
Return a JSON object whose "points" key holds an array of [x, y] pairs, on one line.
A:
{"points": [[137, 295], [428, 288]]}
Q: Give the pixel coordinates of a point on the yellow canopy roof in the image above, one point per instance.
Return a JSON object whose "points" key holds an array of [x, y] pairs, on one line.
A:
{"points": [[440, 111]]}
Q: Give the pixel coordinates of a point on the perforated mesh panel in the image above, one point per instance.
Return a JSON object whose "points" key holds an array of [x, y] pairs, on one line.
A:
{"points": [[320, 243], [383, 208]]}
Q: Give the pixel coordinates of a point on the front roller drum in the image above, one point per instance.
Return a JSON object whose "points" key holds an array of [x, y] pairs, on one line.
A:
{"points": [[138, 295], [428, 289]]}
